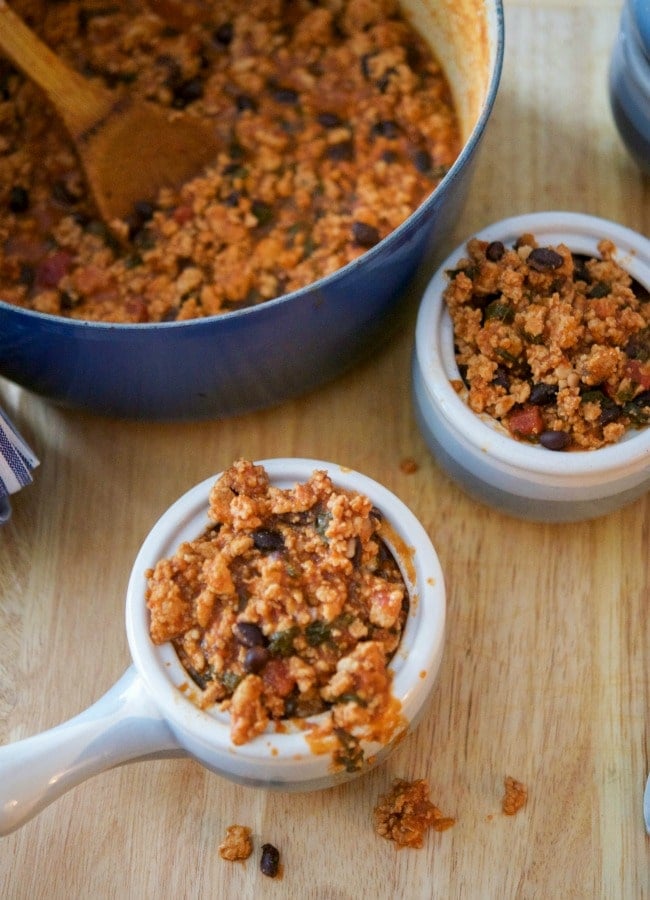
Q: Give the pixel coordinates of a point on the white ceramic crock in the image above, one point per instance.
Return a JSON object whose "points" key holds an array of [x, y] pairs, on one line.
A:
{"points": [[521, 479], [146, 715]]}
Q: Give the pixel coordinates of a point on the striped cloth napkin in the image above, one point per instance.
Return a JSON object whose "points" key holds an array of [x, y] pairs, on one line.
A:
{"points": [[16, 464]]}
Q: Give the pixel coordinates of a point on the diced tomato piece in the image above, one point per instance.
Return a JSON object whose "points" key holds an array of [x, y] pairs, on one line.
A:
{"points": [[183, 214], [277, 679], [526, 421], [136, 309], [639, 372], [51, 270]]}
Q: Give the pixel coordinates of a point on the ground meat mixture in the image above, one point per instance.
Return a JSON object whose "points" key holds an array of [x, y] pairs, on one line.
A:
{"points": [[289, 605], [237, 843], [515, 796], [405, 814], [554, 346], [336, 123]]}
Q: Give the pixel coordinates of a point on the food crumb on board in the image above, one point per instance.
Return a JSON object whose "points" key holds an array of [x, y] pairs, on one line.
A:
{"points": [[270, 860], [408, 465], [515, 796], [237, 843], [404, 814]]}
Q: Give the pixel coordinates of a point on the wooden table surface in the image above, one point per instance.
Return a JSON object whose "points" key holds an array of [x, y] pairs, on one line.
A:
{"points": [[546, 673]]}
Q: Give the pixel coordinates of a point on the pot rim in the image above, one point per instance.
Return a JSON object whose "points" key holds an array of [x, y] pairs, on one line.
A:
{"points": [[435, 354], [415, 664]]}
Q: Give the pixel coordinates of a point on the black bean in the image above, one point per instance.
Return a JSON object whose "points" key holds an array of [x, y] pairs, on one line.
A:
{"points": [[244, 102], [389, 156], [233, 198], [142, 212], [341, 151], [144, 209], [83, 17], [329, 120], [144, 239], [267, 540], [385, 128], [542, 394], [422, 161], [413, 55], [519, 368], [285, 95], [555, 440], [495, 251], [63, 195], [598, 290], [610, 411], [270, 861], [544, 259], [82, 219], [224, 34], [501, 378], [255, 659], [27, 275], [365, 235], [236, 151], [184, 262], [248, 634], [186, 92], [262, 212], [18, 199], [67, 301]]}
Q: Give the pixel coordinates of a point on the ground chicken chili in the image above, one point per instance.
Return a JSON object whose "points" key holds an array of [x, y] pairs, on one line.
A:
{"points": [[337, 122], [554, 346], [289, 605]]}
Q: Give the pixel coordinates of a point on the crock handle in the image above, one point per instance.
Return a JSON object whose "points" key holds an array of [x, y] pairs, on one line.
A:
{"points": [[122, 726]]}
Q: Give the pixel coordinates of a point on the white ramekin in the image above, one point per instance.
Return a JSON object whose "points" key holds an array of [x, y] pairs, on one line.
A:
{"points": [[148, 714], [518, 478]]}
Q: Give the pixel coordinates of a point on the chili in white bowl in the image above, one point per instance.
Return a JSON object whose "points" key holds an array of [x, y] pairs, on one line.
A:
{"points": [[151, 712], [538, 470]]}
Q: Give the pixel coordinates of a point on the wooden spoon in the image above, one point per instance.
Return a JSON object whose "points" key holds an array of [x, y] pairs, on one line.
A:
{"points": [[129, 149]]}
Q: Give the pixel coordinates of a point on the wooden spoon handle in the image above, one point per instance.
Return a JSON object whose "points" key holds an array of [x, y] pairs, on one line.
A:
{"points": [[80, 103]]}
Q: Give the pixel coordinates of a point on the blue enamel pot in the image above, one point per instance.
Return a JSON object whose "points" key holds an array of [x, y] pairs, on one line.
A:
{"points": [[261, 356]]}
